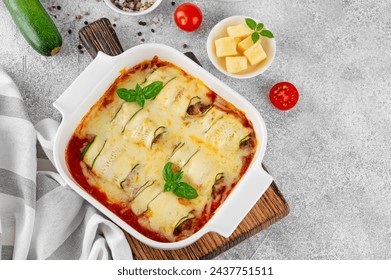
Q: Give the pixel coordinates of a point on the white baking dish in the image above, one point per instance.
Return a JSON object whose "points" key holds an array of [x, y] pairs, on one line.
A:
{"points": [[76, 101]]}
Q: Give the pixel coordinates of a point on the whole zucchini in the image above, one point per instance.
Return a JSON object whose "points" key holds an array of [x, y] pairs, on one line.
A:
{"points": [[35, 25]]}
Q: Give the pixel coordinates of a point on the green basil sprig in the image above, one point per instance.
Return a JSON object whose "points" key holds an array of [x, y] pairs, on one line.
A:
{"points": [[258, 30], [174, 183], [140, 94]]}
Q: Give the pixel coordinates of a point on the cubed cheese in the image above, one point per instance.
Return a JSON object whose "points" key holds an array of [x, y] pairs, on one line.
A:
{"points": [[239, 31], [255, 54], [245, 44], [236, 64], [225, 46], [237, 40]]}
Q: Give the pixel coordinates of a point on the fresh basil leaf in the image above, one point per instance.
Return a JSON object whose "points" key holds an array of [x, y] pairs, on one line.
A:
{"points": [[186, 191], [267, 33], [178, 176], [251, 23], [127, 95], [168, 174], [139, 89], [259, 26], [152, 90], [122, 92], [168, 187], [255, 37], [140, 100]]}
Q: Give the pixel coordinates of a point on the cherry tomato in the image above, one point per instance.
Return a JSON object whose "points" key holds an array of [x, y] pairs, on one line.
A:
{"points": [[284, 96], [188, 17]]}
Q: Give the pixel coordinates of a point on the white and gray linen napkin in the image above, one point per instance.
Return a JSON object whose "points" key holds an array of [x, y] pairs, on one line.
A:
{"points": [[40, 216]]}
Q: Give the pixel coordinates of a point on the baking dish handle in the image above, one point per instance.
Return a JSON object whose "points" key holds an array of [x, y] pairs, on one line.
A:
{"points": [[239, 203], [77, 91]]}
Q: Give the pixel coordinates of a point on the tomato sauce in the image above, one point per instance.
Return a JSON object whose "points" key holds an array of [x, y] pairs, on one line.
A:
{"points": [[73, 159]]}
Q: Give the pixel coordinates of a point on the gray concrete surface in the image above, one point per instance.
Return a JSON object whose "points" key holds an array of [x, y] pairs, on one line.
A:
{"points": [[330, 156]]}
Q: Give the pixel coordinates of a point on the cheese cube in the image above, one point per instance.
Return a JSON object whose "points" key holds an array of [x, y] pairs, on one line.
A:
{"points": [[225, 46], [245, 44], [236, 64], [255, 54], [240, 31], [237, 40]]}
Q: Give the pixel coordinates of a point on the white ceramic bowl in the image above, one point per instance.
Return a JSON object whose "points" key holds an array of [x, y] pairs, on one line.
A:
{"points": [[76, 101], [140, 13], [220, 30]]}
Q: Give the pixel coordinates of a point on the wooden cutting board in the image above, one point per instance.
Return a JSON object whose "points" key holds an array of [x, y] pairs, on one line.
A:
{"points": [[270, 208]]}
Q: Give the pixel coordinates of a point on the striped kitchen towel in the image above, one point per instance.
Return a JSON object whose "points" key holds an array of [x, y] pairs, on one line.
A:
{"points": [[41, 217]]}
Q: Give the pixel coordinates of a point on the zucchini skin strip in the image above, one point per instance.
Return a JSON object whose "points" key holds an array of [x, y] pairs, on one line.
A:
{"points": [[130, 120], [104, 144], [156, 134], [149, 75], [119, 109], [176, 149], [190, 158], [151, 201], [85, 150], [207, 110], [173, 78], [191, 104], [124, 180], [143, 188], [216, 121]]}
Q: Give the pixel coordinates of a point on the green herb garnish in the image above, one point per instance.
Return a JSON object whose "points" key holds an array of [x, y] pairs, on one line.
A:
{"points": [[174, 183], [258, 30], [140, 94]]}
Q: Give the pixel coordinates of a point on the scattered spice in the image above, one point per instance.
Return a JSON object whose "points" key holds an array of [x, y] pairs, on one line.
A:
{"points": [[79, 47], [78, 17], [153, 30], [69, 31], [58, 7], [143, 23], [139, 34], [185, 46], [173, 3], [155, 20], [133, 5], [86, 22], [114, 25], [143, 40]]}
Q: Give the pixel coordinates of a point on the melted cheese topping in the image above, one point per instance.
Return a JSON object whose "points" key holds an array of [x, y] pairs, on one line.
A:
{"points": [[125, 160]]}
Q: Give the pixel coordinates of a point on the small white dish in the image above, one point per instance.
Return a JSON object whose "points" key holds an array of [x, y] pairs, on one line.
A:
{"points": [[220, 30], [140, 13]]}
